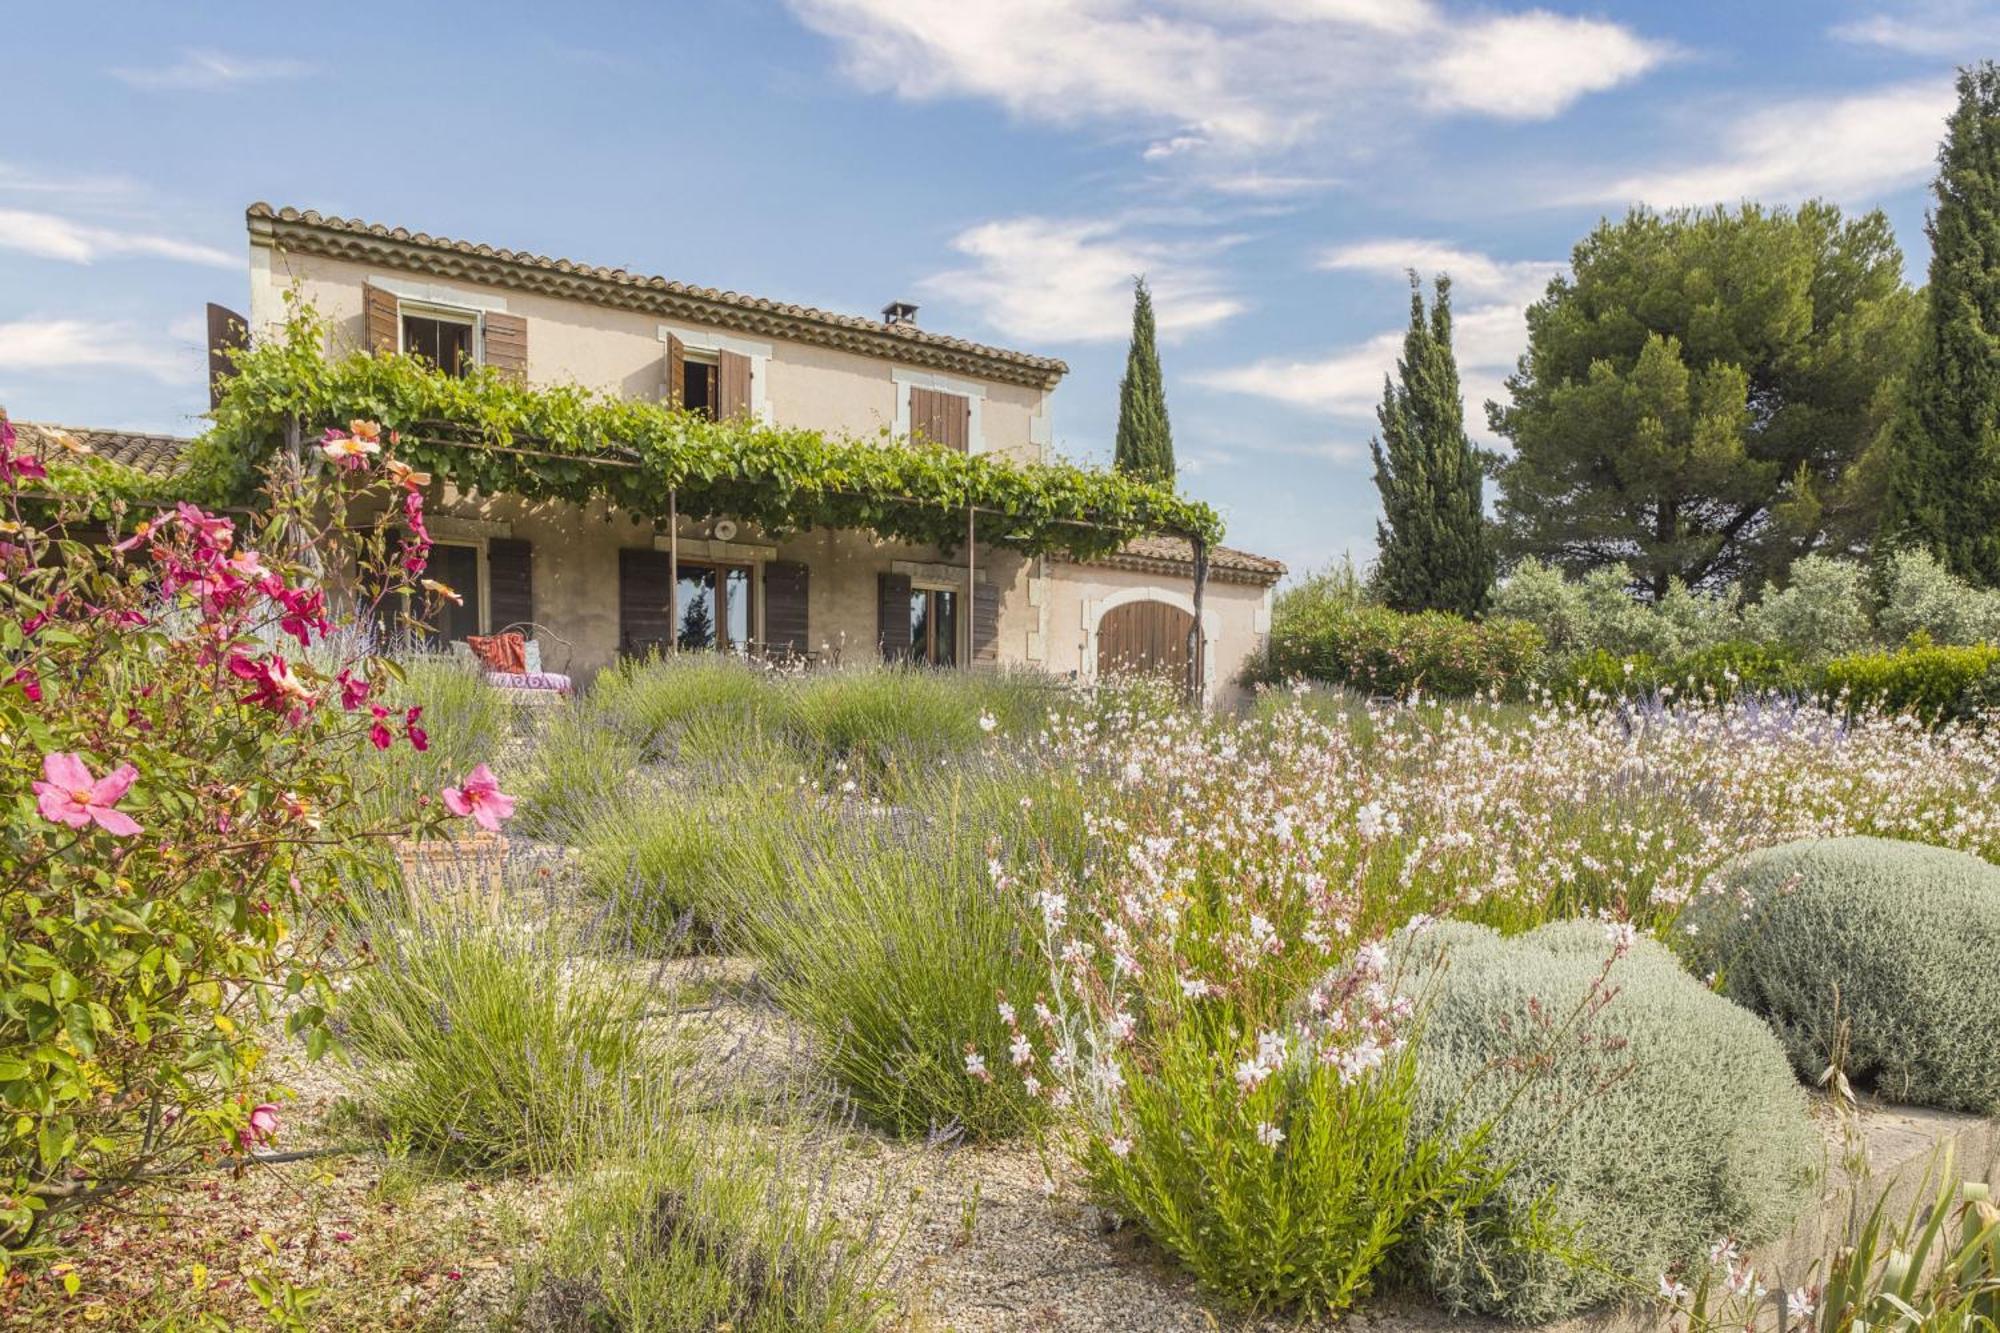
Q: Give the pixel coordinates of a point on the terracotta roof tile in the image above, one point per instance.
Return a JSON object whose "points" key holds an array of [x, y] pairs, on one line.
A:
{"points": [[155, 455], [353, 238], [1155, 554]]}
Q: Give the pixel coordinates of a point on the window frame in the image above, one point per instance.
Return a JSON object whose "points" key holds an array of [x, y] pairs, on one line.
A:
{"points": [[722, 569], [471, 318], [928, 589]]}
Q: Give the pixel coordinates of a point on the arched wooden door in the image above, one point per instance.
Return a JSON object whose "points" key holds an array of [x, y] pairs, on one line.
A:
{"points": [[1148, 638]]}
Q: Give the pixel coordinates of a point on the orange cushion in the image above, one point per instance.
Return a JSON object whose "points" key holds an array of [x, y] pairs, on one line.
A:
{"points": [[500, 652]]}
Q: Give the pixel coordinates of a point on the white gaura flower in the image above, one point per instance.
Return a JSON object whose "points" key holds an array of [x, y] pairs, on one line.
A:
{"points": [[987, 722], [975, 1065], [1269, 1134], [1673, 1292], [1120, 1146]]}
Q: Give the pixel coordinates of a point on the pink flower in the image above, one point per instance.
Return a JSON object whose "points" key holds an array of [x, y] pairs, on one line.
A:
{"points": [[353, 690], [480, 799], [210, 533], [420, 740], [277, 688], [71, 796], [263, 1125], [349, 451]]}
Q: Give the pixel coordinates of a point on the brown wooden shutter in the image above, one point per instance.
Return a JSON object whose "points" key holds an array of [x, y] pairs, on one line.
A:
{"points": [[735, 386], [954, 422], [506, 344], [644, 622], [786, 625], [380, 315], [941, 418], [892, 619], [676, 371], [985, 623], [227, 332], [510, 574]]}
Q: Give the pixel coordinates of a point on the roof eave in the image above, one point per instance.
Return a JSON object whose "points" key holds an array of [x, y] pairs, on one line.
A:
{"points": [[308, 233]]}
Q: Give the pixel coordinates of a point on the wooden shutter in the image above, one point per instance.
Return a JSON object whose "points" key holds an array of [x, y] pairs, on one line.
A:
{"points": [[227, 332], [892, 619], [676, 371], [380, 316], [786, 627], [506, 344], [941, 418], [985, 623], [644, 622], [510, 575], [735, 386]]}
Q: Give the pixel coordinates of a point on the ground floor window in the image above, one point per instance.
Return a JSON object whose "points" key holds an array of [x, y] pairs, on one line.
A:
{"points": [[714, 605], [934, 626], [457, 568]]}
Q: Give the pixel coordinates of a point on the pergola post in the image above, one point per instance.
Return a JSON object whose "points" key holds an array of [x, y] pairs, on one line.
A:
{"points": [[1197, 667], [971, 616], [673, 570]]}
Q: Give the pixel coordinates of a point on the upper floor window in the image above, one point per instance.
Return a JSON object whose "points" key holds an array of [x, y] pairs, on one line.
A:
{"points": [[445, 338], [701, 388]]}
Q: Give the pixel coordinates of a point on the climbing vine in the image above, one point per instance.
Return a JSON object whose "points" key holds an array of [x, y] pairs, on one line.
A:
{"points": [[488, 433]]}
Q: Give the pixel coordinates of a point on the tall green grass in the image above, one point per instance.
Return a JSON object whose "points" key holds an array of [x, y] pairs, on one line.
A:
{"points": [[883, 932], [492, 1048], [703, 1228]]}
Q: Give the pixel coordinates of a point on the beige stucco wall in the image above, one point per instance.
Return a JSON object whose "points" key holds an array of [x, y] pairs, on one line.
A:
{"points": [[1236, 619], [624, 352]]}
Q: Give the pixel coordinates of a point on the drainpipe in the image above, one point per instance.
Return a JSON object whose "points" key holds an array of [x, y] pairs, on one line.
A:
{"points": [[971, 590], [1197, 673], [673, 570]]}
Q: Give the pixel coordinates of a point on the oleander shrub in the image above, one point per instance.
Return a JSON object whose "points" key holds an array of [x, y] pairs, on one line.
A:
{"points": [[1320, 633], [1657, 1115], [1874, 954], [1937, 683]]}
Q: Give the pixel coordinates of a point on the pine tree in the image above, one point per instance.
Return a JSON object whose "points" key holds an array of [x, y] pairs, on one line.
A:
{"points": [[1944, 458], [1145, 440], [1435, 553]]}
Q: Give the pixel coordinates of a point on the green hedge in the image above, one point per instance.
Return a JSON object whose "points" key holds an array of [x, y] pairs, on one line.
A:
{"points": [[1936, 683], [1379, 651], [1720, 671]]}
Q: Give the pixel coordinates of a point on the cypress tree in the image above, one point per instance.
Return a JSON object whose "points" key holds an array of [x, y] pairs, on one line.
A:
{"points": [[1944, 472], [1145, 440], [1435, 552]]}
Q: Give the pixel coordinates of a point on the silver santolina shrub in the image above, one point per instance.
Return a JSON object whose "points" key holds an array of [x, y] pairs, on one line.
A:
{"points": [[1886, 949], [1640, 1115]]}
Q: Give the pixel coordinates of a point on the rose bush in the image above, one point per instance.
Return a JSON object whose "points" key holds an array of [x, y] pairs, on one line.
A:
{"points": [[179, 725]]}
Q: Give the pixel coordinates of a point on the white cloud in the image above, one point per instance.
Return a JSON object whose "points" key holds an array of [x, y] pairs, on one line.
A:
{"points": [[75, 344], [208, 70], [1533, 66], [1211, 76], [1268, 185], [1487, 337], [1347, 383], [1053, 280], [1472, 274], [51, 237], [1951, 29], [1849, 149]]}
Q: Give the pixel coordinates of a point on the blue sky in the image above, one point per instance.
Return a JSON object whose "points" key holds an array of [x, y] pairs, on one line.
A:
{"points": [[1272, 165]]}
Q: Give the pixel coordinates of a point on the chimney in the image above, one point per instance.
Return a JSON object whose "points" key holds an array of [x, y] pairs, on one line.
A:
{"points": [[899, 312]]}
